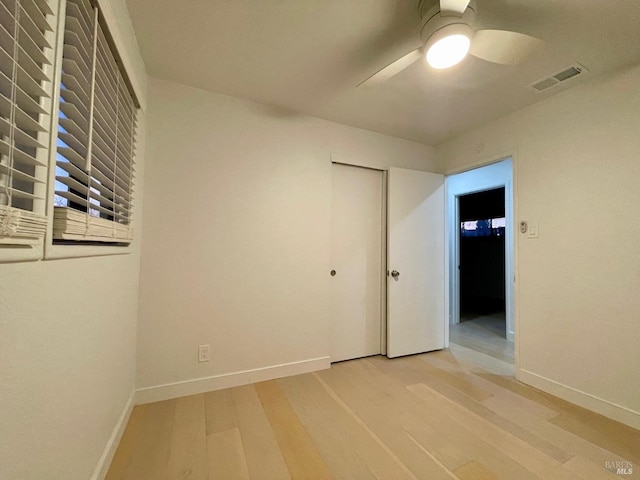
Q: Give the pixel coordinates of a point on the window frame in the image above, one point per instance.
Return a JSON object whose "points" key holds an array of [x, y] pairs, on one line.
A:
{"points": [[18, 249], [78, 249]]}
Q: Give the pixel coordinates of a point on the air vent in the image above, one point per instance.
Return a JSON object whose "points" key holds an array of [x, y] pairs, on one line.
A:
{"points": [[563, 76]]}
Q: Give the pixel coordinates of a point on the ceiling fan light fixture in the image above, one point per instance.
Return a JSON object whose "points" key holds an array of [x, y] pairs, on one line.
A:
{"points": [[448, 46]]}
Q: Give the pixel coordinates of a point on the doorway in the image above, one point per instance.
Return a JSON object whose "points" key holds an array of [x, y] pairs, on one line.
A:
{"points": [[481, 242]]}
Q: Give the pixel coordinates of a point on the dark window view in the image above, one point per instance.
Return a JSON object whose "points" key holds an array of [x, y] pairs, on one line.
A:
{"points": [[492, 227], [482, 259]]}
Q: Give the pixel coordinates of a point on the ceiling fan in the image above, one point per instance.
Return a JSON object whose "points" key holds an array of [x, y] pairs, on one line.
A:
{"points": [[447, 36]]}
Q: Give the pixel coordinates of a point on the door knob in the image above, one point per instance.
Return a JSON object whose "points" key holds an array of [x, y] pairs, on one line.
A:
{"points": [[333, 273], [395, 274]]}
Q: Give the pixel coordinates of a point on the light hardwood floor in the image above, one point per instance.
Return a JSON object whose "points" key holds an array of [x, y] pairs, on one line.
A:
{"points": [[486, 335], [431, 416]]}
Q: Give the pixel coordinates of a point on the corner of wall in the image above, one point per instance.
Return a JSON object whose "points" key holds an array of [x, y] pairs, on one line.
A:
{"points": [[114, 439]]}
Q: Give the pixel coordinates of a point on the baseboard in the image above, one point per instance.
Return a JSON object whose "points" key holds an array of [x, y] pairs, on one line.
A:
{"points": [[583, 399], [114, 440], [228, 380]]}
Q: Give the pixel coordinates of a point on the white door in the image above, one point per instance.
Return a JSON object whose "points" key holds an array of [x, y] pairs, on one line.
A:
{"points": [[356, 262], [416, 262]]}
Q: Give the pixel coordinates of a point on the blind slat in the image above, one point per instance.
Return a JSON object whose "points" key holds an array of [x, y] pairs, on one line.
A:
{"points": [[73, 171], [25, 53], [39, 9], [29, 85], [17, 193], [35, 32], [69, 82], [21, 156], [74, 145], [79, 135], [6, 65], [20, 174], [26, 122], [72, 68], [32, 48], [101, 191], [18, 223], [22, 138], [7, 17], [26, 61], [28, 104]]}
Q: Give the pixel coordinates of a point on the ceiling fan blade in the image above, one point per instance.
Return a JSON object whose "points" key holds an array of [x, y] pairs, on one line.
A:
{"points": [[502, 46], [456, 7], [392, 69]]}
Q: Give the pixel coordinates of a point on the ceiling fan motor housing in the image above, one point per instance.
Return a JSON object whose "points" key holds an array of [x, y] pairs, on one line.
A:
{"points": [[434, 21]]}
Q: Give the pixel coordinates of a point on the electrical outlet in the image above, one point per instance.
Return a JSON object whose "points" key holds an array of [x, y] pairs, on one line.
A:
{"points": [[204, 352]]}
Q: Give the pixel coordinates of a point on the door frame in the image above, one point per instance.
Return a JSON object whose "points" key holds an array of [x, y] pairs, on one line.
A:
{"points": [[499, 173], [383, 256]]}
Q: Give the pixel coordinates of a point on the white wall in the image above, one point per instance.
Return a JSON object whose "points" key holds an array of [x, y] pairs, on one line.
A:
{"points": [[66, 369], [67, 345], [236, 237], [67, 361], [577, 169]]}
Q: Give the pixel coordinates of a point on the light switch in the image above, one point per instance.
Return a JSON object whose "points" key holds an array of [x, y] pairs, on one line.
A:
{"points": [[533, 230]]}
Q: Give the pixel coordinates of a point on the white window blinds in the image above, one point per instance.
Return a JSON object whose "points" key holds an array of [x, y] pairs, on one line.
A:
{"points": [[96, 135], [25, 80]]}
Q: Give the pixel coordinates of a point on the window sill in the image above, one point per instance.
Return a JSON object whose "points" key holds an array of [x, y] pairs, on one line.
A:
{"points": [[57, 252], [13, 253]]}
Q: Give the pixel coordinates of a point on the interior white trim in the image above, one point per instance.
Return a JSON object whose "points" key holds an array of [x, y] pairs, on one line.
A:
{"points": [[114, 440], [580, 398], [121, 29], [228, 380], [498, 174]]}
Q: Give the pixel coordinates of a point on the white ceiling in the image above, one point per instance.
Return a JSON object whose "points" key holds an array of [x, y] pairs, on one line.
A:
{"points": [[307, 56]]}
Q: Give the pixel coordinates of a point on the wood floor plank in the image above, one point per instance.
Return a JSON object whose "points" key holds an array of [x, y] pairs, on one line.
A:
{"points": [[188, 452], [227, 459], [445, 449], [220, 413], [432, 416], [464, 384], [132, 436], [264, 458], [346, 446], [435, 359], [463, 444], [591, 470], [475, 359], [148, 456], [474, 471], [601, 431], [459, 396], [474, 335], [445, 361], [300, 454], [382, 413], [521, 451], [401, 468], [567, 441], [597, 429]]}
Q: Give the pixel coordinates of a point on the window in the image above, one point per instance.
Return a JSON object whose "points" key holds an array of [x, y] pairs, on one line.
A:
{"points": [[26, 39], [94, 167], [493, 227]]}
